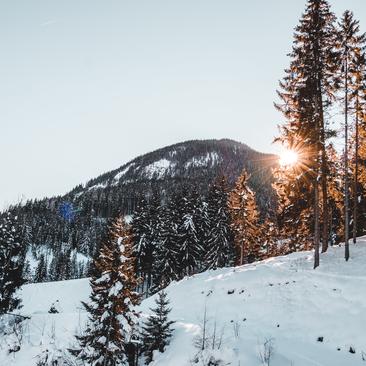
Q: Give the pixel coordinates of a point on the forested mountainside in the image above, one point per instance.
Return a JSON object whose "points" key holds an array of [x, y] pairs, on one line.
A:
{"points": [[61, 228]]}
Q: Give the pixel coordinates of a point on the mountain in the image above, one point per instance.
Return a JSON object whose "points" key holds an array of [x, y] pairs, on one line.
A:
{"points": [[74, 223], [309, 317], [198, 162]]}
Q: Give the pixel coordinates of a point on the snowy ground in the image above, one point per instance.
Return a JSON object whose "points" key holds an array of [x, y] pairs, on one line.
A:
{"points": [[280, 299]]}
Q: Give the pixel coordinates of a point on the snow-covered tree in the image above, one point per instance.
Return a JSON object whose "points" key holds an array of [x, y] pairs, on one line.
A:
{"points": [[189, 248], [157, 329], [189, 234], [112, 316], [166, 267], [41, 270], [244, 220], [270, 239], [220, 250], [11, 263], [145, 231]]}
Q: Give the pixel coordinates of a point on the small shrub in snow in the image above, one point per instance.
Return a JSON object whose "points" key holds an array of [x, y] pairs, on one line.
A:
{"points": [[53, 309], [266, 351], [207, 359], [15, 329]]}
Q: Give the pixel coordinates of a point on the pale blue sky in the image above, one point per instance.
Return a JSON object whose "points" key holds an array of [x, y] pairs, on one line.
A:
{"points": [[87, 85]]}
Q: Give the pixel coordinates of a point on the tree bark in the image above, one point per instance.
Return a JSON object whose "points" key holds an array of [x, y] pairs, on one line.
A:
{"points": [[355, 182], [346, 187], [316, 224], [324, 171]]}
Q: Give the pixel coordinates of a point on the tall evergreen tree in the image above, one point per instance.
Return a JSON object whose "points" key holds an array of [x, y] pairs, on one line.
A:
{"points": [[220, 250], [351, 45], [166, 266], [11, 263], [157, 329], [145, 226], [112, 316], [307, 90], [41, 270], [245, 220], [189, 244], [295, 193], [270, 239]]}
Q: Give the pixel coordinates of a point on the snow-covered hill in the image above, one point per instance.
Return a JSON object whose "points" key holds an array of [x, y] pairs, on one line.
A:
{"points": [[282, 300]]}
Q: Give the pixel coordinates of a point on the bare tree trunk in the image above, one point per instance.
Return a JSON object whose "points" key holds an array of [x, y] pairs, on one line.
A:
{"points": [[242, 254], [346, 187], [331, 227], [355, 182], [325, 234], [316, 224]]}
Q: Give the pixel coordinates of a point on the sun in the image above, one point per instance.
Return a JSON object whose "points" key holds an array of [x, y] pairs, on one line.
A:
{"points": [[288, 158]]}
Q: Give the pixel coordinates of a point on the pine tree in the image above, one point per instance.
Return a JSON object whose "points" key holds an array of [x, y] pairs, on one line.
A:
{"points": [[190, 247], [269, 239], [351, 45], [11, 265], [27, 273], [112, 317], [358, 102], [220, 250], [166, 266], [145, 231], [157, 328], [295, 201], [41, 270], [244, 220], [74, 266], [307, 90]]}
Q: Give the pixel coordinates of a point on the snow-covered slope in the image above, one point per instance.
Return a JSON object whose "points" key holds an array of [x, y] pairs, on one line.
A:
{"points": [[283, 300]]}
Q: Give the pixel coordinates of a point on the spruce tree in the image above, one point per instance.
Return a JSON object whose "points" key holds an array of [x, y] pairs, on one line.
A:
{"points": [[145, 232], [189, 244], [295, 196], [351, 45], [11, 263], [306, 91], [244, 221], [166, 267], [269, 239], [112, 317], [157, 328], [220, 250], [41, 270]]}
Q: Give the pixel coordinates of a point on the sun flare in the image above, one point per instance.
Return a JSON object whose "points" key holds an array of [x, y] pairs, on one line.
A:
{"points": [[288, 158]]}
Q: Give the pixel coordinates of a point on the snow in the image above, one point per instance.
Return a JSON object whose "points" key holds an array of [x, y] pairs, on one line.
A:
{"points": [[119, 175], [158, 169], [282, 299], [209, 160], [98, 186]]}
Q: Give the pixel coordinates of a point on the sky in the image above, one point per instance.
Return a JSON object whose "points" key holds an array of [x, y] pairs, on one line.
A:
{"points": [[87, 85]]}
